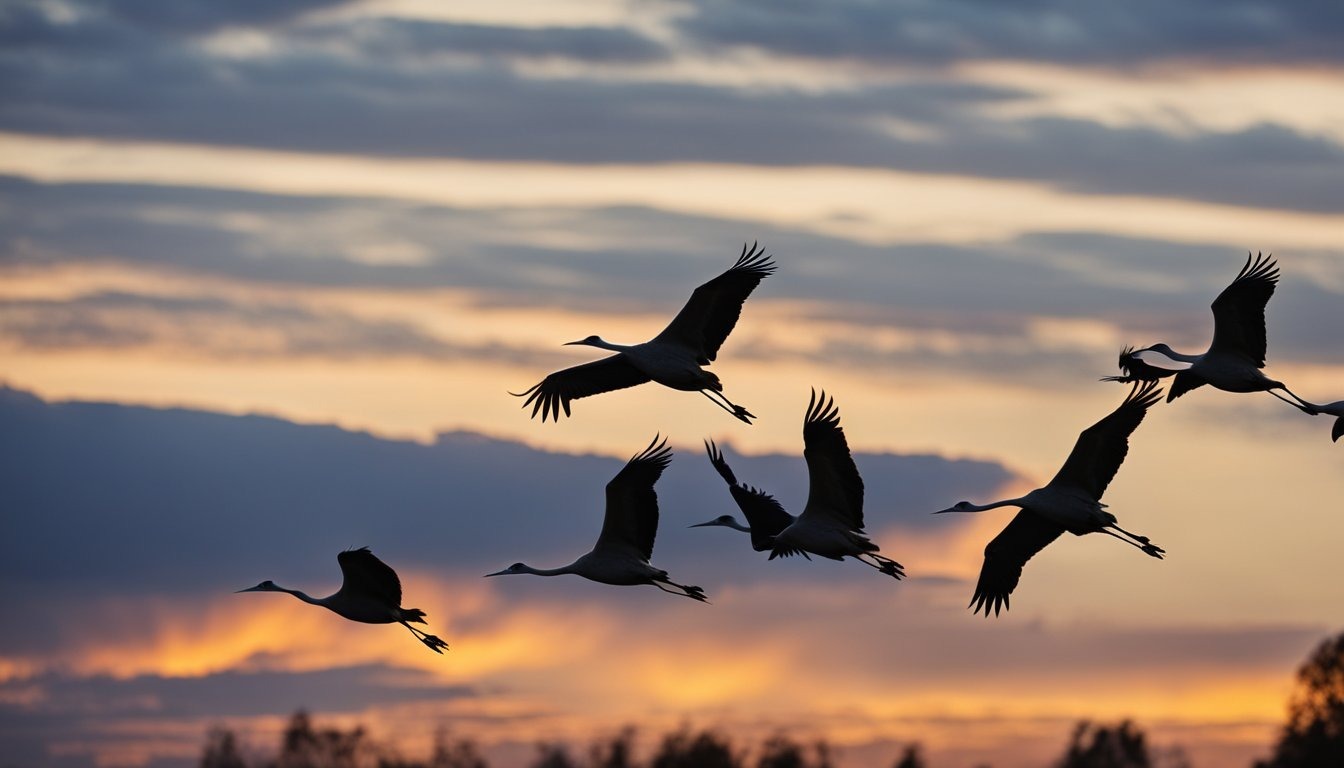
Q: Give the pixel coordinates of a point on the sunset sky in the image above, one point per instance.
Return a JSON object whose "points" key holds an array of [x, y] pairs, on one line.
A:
{"points": [[268, 269]]}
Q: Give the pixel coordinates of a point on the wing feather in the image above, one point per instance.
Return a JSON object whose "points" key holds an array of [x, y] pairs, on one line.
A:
{"points": [[1101, 448], [834, 484], [631, 520], [554, 392], [712, 311], [1239, 311], [1005, 555], [765, 516], [363, 574]]}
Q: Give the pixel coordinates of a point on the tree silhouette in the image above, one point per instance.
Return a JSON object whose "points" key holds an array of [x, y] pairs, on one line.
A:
{"points": [[455, 753], [1094, 746], [303, 746], [706, 749], [910, 758], [553, 756], [616, 752], [779, 751], [1314, 733], [221, 750]]}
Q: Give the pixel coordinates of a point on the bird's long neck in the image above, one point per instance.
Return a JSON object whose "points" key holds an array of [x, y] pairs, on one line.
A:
{"points": [[736, 526], [304, 596], [549, 571], [602, 343], [993, 505], [1172, 354]]}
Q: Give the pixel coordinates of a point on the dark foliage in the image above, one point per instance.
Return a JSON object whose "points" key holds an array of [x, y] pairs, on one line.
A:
{"points": [[681, 749], [780, 751], [616, 752], [221, 750], [1313, 737], [455, 753], [910, 758], [1097, 746], [553, 756]]}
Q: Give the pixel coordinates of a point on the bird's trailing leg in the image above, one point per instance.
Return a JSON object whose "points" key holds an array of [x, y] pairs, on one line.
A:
{"points": [[717, 398], [685, 590], [434, 643], [1139, 542], [1301, 405], [884, 564]]}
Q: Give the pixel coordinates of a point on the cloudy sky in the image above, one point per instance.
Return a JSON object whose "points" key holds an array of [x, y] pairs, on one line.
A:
{"points": [[267, 270]]}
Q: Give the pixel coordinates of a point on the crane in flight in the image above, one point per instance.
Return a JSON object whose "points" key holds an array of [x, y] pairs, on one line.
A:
{"points": [[1233, 360], [674, 358], [1071, 502], [765, 517], [621, 555], [370, 593], [831, 524]]}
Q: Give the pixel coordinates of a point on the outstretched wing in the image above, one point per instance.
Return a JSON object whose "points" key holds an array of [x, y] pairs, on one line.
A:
{"points": [[1024, 536], [555, 391], [1239, 311], [713, 309], [365, 575], [765, 516], [632, 506], [834, 485], [1101, 448]]}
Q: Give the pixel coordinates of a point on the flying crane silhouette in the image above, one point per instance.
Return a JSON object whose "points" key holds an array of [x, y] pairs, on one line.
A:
{"points": [[1071, 502], [621, 555], [674, 358], [1233, 360], [831, 524], [765, 517], [370, 593]]}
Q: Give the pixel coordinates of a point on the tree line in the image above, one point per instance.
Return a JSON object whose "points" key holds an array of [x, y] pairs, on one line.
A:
{"points": [[1312, 737]]}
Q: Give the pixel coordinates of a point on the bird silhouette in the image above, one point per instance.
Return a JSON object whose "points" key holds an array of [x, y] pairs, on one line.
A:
{"points": [[674, 358], [621, 555], [765, 517], [1071, 502], [1233, 360], [370, 593], [831, 524]]}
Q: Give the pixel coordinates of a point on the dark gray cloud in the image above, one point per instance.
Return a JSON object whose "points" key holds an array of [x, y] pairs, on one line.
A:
{"points": [[236, 497], [1152, 289], [225, 328], [383, 90], [404, 38], [201, 16], [1094, 32]]}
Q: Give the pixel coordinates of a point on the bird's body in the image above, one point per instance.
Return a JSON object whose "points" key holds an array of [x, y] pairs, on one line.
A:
{"points": [[1070, 502], [831, 524], [674, 358], [621, 555], [1235, 357], [370, 593]]}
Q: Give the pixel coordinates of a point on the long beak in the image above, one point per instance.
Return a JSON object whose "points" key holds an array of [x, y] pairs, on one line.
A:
{"points": [[702, 525], [571, 343], [944, 511], [249, 589], [498, 573]]}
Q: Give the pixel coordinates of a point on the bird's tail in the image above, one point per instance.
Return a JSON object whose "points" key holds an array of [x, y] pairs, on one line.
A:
{"points": [[413, 614]]}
